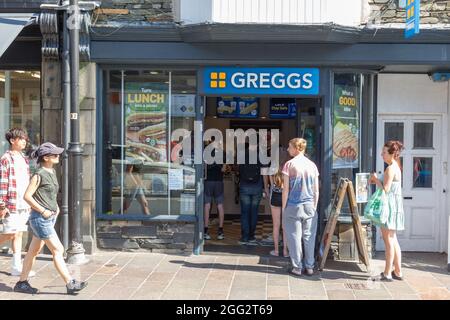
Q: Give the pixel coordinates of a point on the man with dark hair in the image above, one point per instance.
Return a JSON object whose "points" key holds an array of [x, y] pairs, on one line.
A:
{"points": [[14, 180]]}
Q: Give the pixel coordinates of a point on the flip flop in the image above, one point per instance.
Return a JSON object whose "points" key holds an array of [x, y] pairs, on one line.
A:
{"points": [[286, 255], [273, 253]]}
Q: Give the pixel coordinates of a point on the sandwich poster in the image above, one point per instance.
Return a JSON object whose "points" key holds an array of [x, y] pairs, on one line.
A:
{"points": [[282, 108], [237, 107], [345, 127], [145, 121]]}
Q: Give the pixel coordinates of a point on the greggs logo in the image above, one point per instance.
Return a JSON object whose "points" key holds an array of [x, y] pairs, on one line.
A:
{"points": [[229, 80], [218, 79]]}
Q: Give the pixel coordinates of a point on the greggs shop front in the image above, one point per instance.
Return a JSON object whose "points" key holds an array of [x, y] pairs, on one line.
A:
{"points": [[154, 124]]}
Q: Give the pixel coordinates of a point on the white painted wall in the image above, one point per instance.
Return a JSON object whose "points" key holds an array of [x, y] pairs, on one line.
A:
{"points": [[417, 93], [411, 93], [344, 12]]}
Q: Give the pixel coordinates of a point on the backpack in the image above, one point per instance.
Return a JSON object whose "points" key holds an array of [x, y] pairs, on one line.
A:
{"points": [[250, 172]]}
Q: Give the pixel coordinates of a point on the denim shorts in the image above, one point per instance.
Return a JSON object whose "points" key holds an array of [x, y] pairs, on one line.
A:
{"points": [[42, 228]]}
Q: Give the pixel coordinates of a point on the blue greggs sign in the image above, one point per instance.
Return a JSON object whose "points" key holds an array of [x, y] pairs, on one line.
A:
{"points": [[260, 81]]}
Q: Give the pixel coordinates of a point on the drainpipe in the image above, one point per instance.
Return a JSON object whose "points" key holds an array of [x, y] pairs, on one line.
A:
{"points": [[75, 253], [66, 133]]}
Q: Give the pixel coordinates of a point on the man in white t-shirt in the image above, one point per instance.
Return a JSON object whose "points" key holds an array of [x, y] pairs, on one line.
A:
{"points": [[14, 180]]}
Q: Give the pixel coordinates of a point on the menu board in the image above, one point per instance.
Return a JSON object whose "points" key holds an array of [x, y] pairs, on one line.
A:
{"points": [[282, 108], [345, 127], [145, 121], [237, 107]]}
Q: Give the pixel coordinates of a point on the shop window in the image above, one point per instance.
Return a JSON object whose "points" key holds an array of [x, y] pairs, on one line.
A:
{"points": [[144, 172], [352, 127], [20, 105]]}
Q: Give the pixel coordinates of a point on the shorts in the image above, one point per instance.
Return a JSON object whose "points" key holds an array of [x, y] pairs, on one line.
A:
{"points": [[42, 228], [213, 190], [133, 194], [276, 199], [16, 222]]}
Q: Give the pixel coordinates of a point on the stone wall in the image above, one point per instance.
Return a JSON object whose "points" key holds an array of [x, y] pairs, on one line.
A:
{"points": [[134, 12], [153, 236], [387, 12]]}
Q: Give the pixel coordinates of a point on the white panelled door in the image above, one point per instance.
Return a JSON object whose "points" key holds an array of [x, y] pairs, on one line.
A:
{"points": [[422, 174]]}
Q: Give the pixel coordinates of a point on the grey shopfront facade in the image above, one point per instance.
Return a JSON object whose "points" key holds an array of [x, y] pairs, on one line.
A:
{"points": [[340, 54]]}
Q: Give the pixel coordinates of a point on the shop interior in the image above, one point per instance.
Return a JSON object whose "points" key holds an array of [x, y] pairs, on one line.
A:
{"points": [[294, 117]]}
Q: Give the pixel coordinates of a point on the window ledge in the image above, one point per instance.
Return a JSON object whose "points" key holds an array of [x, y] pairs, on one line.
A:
{"points": [[162, 218]]}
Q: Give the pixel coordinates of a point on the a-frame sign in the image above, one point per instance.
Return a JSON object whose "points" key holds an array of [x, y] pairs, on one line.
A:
{"points": [[345, 187]]}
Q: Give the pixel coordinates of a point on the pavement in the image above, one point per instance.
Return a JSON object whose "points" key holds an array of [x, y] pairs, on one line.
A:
{"points": [[230, 276]]}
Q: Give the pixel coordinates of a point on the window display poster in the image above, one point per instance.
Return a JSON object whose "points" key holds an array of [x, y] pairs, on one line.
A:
{"points": [[345, 127], [187, 205], [237, 107], [176, 179], [282, 108], [362, 187], [145, 120], [183, 105]]}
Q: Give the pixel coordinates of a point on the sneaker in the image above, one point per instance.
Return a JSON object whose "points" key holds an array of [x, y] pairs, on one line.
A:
{"points": [[17, 272], [252, 242], [25, 287], [295, 272], [309, 272], [220, 236], [269, 239], [242, 241], [74, 286], [207, 236]]}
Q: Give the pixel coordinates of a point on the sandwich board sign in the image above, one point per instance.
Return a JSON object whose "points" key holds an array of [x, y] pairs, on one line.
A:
{"points": [[345, 187], [412, 18]]}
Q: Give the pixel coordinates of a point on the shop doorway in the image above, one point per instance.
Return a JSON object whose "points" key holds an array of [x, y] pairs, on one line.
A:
{"points": [[422, 185], [293, 117]]}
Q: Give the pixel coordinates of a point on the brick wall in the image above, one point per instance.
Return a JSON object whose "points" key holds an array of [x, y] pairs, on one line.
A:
{"points": [[134, 12], [432, 12], [154, 236]]}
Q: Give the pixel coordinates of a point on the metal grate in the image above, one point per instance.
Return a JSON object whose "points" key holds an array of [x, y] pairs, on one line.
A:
{"points": [[356, 286]]}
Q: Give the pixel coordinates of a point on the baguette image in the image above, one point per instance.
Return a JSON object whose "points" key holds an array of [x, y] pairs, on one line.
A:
{"points": [[248, 109], [226, 109], [140, 120], [345, 143], [156, 131], [141, 150]]}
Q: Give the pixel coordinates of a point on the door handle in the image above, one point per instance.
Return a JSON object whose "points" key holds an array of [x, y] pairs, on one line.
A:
{"points": [[407, 198]]}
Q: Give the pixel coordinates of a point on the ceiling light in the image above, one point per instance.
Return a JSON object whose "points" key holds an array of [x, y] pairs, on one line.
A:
{"points": [[19, 71], [36, 75], [154, 72]]}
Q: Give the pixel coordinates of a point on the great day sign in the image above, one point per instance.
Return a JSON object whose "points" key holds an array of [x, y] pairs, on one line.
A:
{"points": [[260, 81]]}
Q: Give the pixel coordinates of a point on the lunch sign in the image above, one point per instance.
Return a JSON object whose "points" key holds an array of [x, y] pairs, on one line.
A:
{"points": [[260, 81]]}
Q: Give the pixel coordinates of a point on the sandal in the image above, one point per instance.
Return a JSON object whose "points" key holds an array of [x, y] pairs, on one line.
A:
{"points": [[273, 253], [286, 255], [382, 277], [396, 277]]}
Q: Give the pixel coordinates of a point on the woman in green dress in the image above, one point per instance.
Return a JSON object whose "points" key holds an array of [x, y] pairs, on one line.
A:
{"points": [[390, 182]]}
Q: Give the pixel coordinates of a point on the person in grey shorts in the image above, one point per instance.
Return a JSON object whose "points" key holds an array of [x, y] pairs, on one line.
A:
{"points": [[299, 200], [214, 191], [41, 195]]}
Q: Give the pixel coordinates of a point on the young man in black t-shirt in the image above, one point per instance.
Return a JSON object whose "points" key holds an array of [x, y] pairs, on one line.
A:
{"points": [[214, 190]]}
